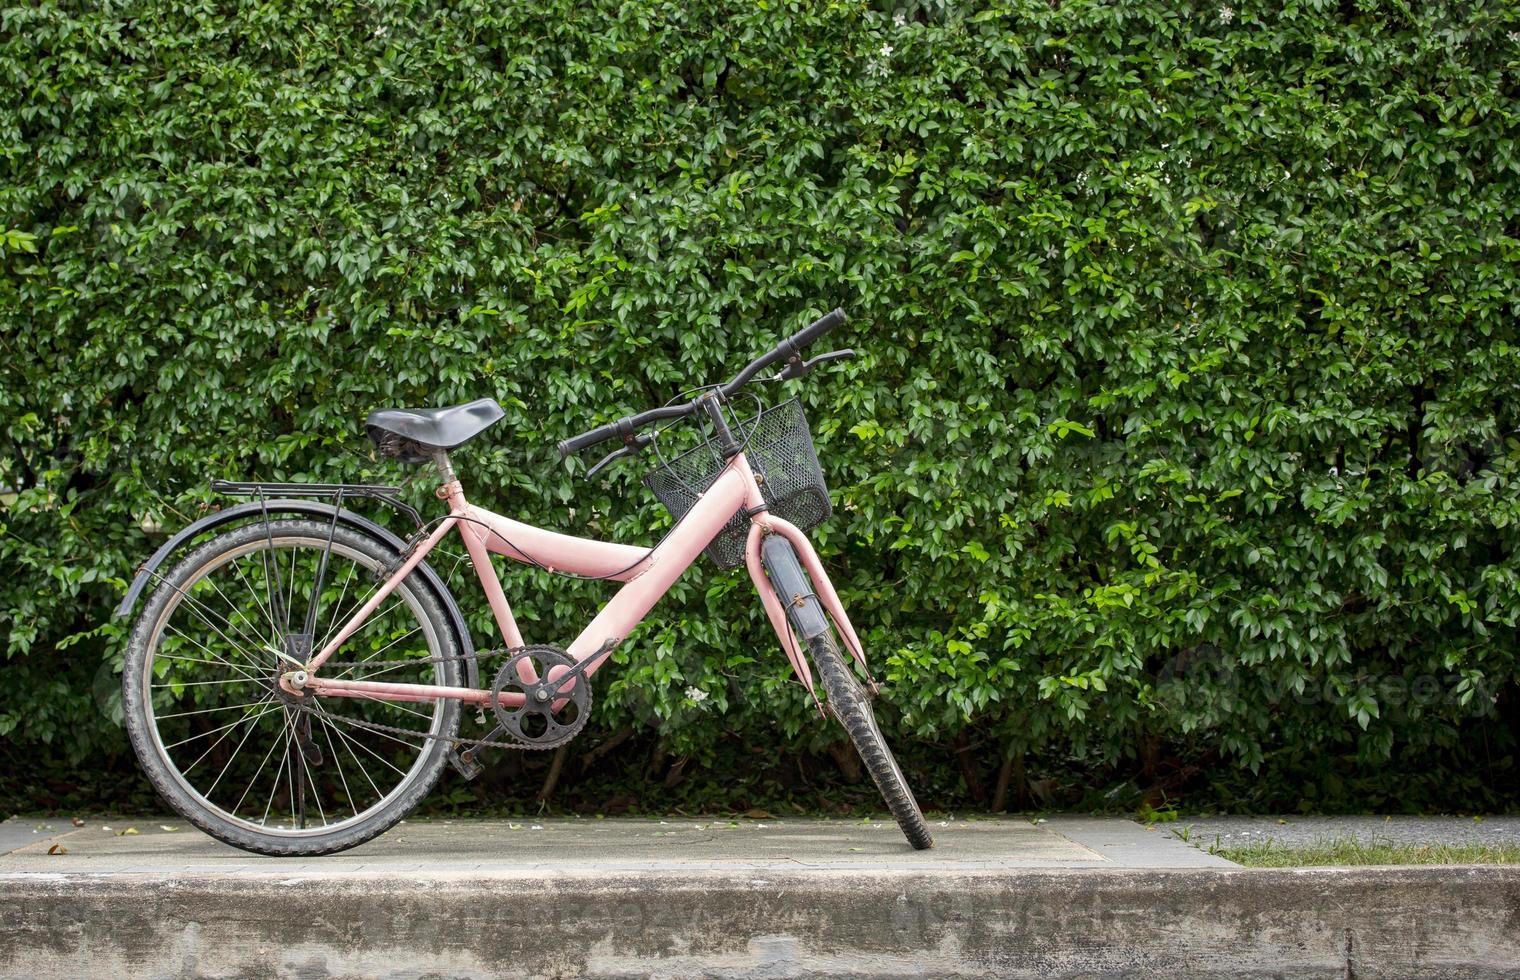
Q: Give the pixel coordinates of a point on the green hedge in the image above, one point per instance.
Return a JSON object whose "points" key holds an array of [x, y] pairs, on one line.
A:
{"points": [[1181, 455]]}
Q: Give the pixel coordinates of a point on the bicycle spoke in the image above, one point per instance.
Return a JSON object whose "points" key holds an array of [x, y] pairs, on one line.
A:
{"points": [[349, 743], [187, 741], [338, 765], [293, 759], [333, 626], [170, 627], [226, 621], [316, 794], [370, 750], [228, 764], [230, 729], [195, 660], [377, 653], [205, 619], [284, 758], [200, 608], [379, 673], [237, 568], [180, 684], [252, 779], [290, 599], [341, 620], [206, 711], [374, 617], [393, 737], [240, 614], [390, 703], [218, 633], [399, 706]]}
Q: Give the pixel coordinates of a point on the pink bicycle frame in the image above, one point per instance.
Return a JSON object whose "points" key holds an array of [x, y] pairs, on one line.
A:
{"points": [[648, 573]]}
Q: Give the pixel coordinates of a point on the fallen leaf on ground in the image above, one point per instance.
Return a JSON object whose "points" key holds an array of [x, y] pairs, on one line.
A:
{"points": [[167, 829], [129, 832], [77, 822], [759, 814], [58, 849]]}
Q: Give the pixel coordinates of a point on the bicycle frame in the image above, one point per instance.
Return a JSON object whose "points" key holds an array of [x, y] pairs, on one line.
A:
{"points": [[647, 574]]}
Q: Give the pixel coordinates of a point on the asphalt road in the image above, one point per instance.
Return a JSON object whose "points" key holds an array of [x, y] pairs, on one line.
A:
{"points": [[1297, 832]]}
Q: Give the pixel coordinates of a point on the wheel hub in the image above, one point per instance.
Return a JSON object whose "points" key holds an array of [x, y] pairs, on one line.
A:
{"points": [[297, 651]]}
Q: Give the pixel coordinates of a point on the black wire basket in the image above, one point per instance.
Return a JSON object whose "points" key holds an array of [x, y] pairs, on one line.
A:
{"points": [[780, 450]]}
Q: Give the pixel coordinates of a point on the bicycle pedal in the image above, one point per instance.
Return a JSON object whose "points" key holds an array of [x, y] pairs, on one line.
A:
{"points": [[467, 764]]}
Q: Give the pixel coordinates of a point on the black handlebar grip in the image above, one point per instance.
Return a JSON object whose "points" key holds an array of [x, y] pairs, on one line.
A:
{"points": [[575, 444], [817, 329]]}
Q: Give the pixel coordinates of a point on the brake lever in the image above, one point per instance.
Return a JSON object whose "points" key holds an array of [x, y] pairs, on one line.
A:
{"points": [[796, 367], [633, 448], [607, 459]]}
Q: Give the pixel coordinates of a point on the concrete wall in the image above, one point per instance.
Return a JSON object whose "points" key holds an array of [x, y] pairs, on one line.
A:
{"points": [[1379, 922]]}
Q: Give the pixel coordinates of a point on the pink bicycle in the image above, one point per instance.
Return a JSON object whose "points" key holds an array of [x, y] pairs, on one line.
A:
{"points": [[293, 685]]}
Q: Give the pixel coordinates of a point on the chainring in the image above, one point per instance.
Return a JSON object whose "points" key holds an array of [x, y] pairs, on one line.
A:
{"points": [[548, 716]]}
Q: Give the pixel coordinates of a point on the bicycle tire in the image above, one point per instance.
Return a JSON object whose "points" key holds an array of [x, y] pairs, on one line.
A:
{"points": [[174, 590], [846, 700]]}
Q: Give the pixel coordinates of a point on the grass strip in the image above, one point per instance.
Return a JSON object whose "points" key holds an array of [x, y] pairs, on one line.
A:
{"points": [[1333, 851]]}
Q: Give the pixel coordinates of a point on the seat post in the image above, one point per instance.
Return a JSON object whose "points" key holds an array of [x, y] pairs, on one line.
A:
{"points": [[445, 467], [450, 490]]}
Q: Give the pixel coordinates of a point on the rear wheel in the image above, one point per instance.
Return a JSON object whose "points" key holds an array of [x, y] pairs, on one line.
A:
{"points": [[251, 764], [848, 702]]}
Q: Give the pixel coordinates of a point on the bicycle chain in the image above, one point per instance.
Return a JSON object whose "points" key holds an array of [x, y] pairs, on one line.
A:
{"points": [[454, 742], [487, 655]]}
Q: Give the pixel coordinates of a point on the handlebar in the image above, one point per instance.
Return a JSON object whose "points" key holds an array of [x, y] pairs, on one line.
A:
{"points": [[788, 348], [816, 329], [626, 428]]}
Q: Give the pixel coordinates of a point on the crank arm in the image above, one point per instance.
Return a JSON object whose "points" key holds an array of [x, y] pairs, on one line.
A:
{"points": [[580, 669], [468, 763]]}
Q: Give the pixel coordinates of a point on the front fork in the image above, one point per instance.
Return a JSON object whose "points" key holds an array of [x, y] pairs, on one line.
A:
{"points": [[798, 597]]}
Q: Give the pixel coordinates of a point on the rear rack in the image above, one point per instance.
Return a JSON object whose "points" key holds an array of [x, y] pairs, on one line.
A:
{"points": [[390, 496]]}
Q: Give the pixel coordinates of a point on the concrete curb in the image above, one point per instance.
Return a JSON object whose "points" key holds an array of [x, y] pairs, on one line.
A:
{"points": [[1310, 922]]}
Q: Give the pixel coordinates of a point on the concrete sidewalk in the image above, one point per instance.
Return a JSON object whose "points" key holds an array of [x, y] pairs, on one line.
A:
{"points": [[534, 848], [1073, 896]]}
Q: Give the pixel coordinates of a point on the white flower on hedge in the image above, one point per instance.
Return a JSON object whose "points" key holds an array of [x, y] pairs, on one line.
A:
{"points": [[696, 694], [1226, 14], [886, 50], [901, 20]]}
